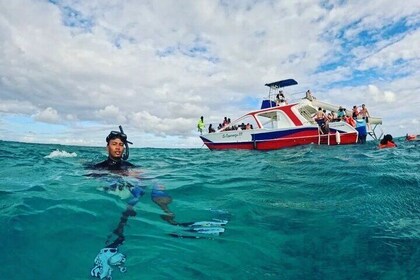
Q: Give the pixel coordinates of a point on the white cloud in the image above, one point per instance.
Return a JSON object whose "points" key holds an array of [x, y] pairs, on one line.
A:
{"points": [[16, 107], [111, 114], [380, 96], [49, 115]]}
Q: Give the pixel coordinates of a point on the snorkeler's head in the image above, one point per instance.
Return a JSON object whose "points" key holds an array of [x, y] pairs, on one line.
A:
{"points": [[121, 136], [118, 134]]}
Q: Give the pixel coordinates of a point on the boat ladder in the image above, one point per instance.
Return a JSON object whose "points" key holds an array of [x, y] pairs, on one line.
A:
{"points": [[320, 134]]}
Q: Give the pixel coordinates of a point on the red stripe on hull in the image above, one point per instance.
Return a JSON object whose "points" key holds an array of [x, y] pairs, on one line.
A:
{"points": [[348, 138]]}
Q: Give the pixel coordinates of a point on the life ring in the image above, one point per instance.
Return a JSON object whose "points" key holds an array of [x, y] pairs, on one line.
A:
{"points": [[387, 145], [351, 122]]}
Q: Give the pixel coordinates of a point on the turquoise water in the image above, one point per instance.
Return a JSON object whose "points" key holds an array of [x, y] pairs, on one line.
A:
{"points": [[312, 212]]}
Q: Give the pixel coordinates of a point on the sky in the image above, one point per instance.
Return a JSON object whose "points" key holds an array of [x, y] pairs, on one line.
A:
{"points": [[72, 70]]}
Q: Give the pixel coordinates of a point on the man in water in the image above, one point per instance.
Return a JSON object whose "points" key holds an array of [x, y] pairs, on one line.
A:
{"points": [[117, 147], [116, 144], [116, 163]]}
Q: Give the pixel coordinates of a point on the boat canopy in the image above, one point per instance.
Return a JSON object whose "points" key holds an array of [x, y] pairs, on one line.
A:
{"points": [[282, 83]]}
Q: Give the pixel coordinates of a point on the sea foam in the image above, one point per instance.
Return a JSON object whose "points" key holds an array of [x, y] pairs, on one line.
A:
{"points": [[60, 154]]}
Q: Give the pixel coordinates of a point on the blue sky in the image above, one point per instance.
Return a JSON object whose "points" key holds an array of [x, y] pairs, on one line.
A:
{"points": [[70, 71]]}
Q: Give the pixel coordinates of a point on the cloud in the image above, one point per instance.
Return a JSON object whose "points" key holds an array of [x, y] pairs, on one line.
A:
{"points": [[16, 106], [49, 115], [378, 95], [111, 114]]}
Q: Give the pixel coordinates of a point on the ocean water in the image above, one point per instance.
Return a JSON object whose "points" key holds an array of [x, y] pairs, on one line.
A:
{"points": [[310, 212]]}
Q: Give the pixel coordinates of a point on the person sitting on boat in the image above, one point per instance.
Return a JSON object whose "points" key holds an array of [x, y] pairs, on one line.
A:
{"points": [[309, 96], [333, 117], [225, 121], [387, 142], [280, 99], [242, 126], [341, 112], [211, 129]]}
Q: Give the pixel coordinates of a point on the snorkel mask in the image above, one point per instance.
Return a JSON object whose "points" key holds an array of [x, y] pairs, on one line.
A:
{"points": [[123, 137]]}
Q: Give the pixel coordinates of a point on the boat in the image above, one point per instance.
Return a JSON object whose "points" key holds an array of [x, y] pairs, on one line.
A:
{"points": [[276, 126]]}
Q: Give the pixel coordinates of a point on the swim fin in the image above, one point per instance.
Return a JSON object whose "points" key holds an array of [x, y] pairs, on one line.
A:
{"points": [[213, 223]]}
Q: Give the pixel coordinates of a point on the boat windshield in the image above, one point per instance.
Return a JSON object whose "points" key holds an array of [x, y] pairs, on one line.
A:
{"points": [[246, 122], [274, 119]]}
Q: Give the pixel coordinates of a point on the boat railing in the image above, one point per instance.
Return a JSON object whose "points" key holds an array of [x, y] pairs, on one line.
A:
{"points": [[291, 98]]}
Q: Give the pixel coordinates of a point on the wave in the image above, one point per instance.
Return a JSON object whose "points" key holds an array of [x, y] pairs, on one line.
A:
{"points": [[60, 154]]}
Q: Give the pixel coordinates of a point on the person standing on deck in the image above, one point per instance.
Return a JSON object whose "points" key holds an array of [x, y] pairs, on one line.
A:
{"points": [[201, 125], [365, 115]]}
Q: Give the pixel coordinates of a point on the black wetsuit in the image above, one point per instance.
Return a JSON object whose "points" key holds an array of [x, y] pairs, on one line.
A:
{"points": [[111, 164]]}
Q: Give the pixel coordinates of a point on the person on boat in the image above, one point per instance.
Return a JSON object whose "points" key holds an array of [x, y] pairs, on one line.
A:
{"points": [[201, 125], [365, 115], [211, 129], [319, 115], [330, 117], [320, 118], [387, 142], [341, 113], [333, 116], [225, 121], [309, 96], [280, 99], [355, 112]]}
